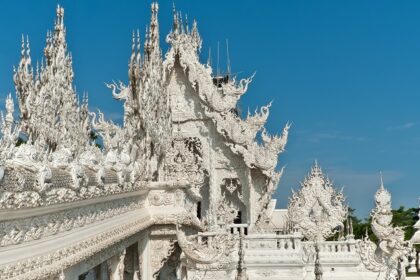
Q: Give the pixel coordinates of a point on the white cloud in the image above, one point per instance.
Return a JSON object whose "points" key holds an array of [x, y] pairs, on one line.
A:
{"points": [[406, 125], [115, 117], [334, 135]]}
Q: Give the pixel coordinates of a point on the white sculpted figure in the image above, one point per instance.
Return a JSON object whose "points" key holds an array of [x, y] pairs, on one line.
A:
{"points": [[9, 131], [392, 251], [216, 249], [317, 210]]}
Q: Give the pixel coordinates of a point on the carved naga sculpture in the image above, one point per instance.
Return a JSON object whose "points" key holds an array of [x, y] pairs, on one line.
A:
{"points": [[210, 249], [317, 210], [390, 255]]}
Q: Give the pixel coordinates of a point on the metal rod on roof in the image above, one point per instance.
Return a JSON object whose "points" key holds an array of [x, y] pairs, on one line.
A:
{"points": [[227, 57], [218, 46], [209, 58]]}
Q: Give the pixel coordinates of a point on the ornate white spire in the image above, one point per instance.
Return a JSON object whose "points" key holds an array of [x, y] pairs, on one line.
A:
{"points": [[147, 114], [23, 79], [48, 103], [392, 251], [154, 27], [175, 23]]}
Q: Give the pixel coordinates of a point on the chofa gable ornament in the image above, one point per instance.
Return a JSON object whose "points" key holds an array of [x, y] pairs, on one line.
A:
{"points": [[317, 210]]}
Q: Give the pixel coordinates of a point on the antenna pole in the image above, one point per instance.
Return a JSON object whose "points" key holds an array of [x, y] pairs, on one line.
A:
{"points": [[209, 59], [227, 56], [218, 43]]}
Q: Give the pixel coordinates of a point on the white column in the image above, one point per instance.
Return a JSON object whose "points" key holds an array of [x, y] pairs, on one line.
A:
{"points": [[103, 271], [144, 258], [116, 266]]}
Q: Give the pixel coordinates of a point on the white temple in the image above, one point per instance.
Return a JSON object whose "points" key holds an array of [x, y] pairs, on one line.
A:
{"points": [[183, 190]]}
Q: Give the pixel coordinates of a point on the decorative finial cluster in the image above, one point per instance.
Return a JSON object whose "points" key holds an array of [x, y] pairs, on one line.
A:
{"points": [[57, 126], [147, 112], [182, 34]]}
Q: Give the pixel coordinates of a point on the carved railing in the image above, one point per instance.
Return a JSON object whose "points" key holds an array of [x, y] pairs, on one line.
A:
{"points": [[332, 253], [241, 229], [333, 247], [273, 242]]}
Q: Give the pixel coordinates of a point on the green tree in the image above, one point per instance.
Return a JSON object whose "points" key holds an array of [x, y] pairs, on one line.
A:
{"points": [[361, 226], [405, 218]]}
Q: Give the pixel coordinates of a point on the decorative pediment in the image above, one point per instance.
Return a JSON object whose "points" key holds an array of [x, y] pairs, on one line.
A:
{"points": [[317, 210]]}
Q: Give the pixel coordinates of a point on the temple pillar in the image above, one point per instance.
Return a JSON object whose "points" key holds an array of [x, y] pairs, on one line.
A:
{"points": [[144, 262], [116, 266], [131, 264], [102, 272]]}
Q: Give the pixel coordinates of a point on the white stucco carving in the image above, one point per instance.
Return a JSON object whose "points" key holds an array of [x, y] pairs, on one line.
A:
{"points": [[317, 210], [391, 252], [181, 190]]}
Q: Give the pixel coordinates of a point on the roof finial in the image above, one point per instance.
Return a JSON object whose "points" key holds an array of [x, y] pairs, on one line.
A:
{"points": [[133, 49], [209, 58], [195, 36], [227, 57], [28, 50], [186, 24], [217, 67], [316, 170], [154, 26], [133, 43], [175, 20], [147, 40], [138, 58], [60, 15], [382, 180], [37, 70], [22, 51], [181, 23]]}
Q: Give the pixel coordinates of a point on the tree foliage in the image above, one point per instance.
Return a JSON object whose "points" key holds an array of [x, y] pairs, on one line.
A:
{"points": [[402, 217]]}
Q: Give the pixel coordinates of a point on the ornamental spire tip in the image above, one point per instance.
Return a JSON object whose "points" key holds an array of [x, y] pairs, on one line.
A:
{"points": [[382, 180]]}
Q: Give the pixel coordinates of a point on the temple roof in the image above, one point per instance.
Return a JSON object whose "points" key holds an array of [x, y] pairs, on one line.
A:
{"points": [[57, 127]]}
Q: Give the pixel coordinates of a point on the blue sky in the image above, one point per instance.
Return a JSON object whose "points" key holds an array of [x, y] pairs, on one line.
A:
{"points": [[346, 73]]}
